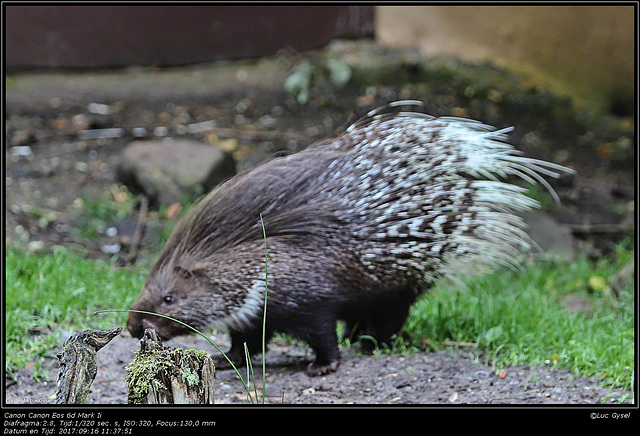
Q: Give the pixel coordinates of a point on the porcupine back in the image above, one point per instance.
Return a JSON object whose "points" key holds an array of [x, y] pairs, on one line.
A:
{"points": [[426, 197], [412, 195], [357, 226]]}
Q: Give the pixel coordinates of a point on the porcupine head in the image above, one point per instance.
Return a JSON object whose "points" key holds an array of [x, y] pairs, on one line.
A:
{"points": [[212, 271], [383, 210], [199, 282]]}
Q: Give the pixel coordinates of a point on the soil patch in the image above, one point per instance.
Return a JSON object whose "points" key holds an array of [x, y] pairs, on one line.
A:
{"points": [[422, 378]]}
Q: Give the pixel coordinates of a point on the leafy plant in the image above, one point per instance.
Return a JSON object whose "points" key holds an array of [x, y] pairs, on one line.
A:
{"points": [[305, 75]]}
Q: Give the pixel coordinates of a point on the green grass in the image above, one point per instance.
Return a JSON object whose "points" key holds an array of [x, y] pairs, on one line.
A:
{"points": [[95, 214], [521, 317], [514, 317], [49, 297]]}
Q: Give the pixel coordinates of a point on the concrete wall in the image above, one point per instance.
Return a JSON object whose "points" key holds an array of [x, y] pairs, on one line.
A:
{"points": [[583, 51]]}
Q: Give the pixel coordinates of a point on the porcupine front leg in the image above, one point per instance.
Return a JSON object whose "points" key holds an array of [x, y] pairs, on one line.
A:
{"points": [[253, 339]]}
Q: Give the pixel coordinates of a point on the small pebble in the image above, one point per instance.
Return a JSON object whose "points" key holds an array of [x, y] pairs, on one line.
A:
{"points": [[21, 150], [35, 245], [97, 108], [139, 132], [110, 249], [101, 133], [161, 131]]}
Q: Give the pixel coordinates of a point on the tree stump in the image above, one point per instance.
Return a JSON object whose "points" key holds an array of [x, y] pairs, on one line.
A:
{"points": [[78, 365], [162, 375]]}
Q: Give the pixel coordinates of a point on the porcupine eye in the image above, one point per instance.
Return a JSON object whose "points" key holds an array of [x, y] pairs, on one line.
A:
{"points": [[168, 299]]}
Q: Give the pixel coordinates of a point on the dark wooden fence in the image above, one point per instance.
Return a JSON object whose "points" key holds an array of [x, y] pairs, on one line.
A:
{"points": [[113, 35]]}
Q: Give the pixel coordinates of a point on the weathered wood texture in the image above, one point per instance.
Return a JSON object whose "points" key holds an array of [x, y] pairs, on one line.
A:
{"points": [[78, 365], [161, 375]]}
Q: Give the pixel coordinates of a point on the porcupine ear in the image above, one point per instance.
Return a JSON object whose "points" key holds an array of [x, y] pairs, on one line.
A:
{"points": [[194, 272]]}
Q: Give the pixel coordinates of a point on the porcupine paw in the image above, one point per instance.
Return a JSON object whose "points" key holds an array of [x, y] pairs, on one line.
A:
{"points": [[315, 369], [221, 363]]}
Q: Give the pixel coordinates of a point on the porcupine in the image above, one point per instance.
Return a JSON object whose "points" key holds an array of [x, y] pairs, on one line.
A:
{"points": [[358, 226]]}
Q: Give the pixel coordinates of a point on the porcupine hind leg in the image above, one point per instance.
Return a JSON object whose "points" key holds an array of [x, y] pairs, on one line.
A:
{"points": [[253, 339], [381, 320], [323, 339]]}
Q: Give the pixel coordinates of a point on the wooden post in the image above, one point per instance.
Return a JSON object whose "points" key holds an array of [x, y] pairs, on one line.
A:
{"points": [[161, 375], [78, 365]]}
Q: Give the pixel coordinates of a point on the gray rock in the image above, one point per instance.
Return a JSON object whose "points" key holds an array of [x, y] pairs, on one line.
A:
{"points": [[168, 170], [554, 238], [623, 278]]}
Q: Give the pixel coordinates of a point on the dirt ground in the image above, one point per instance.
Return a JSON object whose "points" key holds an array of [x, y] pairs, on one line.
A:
{"points": [[51, 165], [422, 378]]}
